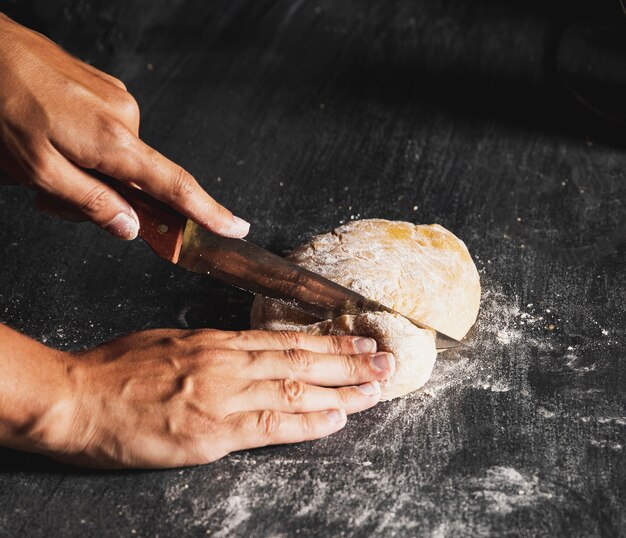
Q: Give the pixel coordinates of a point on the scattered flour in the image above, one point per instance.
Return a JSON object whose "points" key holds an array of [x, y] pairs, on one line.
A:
{"points": [[238, 510], [373, 493], [545, 413], [504, 489]]}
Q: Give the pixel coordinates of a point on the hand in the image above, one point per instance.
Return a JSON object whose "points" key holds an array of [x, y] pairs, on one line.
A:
{"points": [[61, 118], [168, 398]]}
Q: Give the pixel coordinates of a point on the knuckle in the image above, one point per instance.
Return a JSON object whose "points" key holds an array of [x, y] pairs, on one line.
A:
{"points": [[38, 160], [41, 173], [237, 335], [95, 200], [289, 339], [337, 344], [169, 341], [291, 391], [201, 335], [306, 425], [343, 397], [268, 423], [117, 82], [42, 179], [299, 360], [350, 366], [182, 185], [236, 338], [128, 107], [115, 133]]}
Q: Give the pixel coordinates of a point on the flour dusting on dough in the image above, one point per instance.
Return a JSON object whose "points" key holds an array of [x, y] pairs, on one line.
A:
{"points": [[422, 271]]}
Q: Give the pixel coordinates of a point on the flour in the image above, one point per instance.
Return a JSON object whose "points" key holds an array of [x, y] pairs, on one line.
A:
{"points": [[237, 511], [545, 413], [504, 489], [384, 475], [498, 327], [383, 499]]}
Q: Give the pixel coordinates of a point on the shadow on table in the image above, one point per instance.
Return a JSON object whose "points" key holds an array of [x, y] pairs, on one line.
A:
{"points": [[552, 66], [14, 461]]}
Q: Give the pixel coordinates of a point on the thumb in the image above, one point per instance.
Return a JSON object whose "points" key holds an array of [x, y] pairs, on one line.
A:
{"points": [[76, 195]]}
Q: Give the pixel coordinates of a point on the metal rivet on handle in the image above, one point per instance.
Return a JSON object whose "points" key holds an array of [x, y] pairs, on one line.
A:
{"points": [[163, 229]]}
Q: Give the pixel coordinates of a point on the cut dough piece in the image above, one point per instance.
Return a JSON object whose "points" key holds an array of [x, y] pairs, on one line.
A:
{"points": [[422, 271]]}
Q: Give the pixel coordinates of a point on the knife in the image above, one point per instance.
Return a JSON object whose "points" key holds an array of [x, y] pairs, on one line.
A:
{"points": [[247, 266]]}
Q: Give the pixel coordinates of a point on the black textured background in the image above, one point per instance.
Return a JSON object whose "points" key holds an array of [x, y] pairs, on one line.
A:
{"points": [[300, 115]]}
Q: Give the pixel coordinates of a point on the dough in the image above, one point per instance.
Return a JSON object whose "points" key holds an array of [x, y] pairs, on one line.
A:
{"points": [[422, 271]]}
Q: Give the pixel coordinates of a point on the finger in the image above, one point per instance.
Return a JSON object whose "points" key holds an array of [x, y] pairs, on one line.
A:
{"points": [[291, 396], [317, 368], [89, 197], [262, 428], [282, 340], [132, 161]]}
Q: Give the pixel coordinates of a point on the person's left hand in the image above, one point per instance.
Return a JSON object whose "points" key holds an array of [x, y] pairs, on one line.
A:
{"points": [[167, 398]]}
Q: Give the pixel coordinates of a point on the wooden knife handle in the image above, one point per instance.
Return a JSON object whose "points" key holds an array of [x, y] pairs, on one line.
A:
{"points": [[159, 225]]}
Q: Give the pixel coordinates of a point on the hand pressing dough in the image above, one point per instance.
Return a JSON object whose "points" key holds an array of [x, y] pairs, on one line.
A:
{"points": [[422, 271]]}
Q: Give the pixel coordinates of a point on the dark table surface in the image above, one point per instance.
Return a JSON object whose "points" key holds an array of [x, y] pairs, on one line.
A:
{"points": [[301, 115]]}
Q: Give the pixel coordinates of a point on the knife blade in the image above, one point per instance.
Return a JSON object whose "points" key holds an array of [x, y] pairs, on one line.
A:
{"points": [[245, 265], [252, 268]]}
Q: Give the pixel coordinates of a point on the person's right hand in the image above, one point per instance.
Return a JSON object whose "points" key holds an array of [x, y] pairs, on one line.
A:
{"points": [[61, 118], [167, 398]]}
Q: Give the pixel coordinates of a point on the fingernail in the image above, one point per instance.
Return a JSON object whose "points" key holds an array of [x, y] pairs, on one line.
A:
{"points": [[365, 345], [336, 415], [123, 226], [370, 388], [384, 362], [240, 227]]}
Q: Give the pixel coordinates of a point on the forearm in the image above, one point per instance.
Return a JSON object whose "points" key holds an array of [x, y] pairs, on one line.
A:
{"points": [[35, 394]]}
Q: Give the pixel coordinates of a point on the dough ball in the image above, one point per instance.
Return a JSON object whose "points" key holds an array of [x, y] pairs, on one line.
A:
{"points": [[422, 271]]}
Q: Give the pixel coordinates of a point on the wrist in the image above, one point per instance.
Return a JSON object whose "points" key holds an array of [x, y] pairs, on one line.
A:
{"points": [[51, 426], [38, 394]]}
